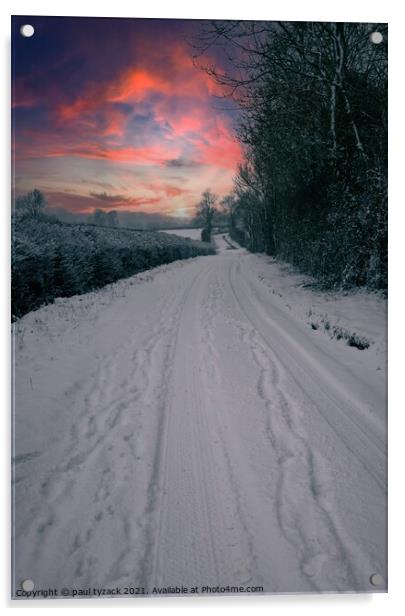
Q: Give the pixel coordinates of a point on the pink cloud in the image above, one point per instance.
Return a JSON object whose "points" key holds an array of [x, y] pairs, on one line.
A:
{"points": [[97, 125]]}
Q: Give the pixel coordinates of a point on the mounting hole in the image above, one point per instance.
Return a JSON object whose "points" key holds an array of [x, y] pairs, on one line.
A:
{"points": [[27, 585], [376, 579], [376, 38], [27, 30]]}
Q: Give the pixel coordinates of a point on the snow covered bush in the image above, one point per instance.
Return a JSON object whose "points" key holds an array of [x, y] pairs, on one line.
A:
{"points": [[53, 259], [205, 235]]}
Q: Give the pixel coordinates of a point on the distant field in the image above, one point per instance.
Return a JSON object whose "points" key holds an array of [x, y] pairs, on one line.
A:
{"points": [[55, 259], [194, 234]]}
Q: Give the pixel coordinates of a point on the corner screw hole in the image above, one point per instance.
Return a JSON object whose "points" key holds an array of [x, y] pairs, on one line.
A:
{"points": [[376, 38], [376, 579], [27, 30], [27, 585]]}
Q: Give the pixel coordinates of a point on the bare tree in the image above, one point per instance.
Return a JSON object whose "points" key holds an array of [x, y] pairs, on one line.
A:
{"points": [[312, 123], [31, 205], [206, 210], [228, 206]]}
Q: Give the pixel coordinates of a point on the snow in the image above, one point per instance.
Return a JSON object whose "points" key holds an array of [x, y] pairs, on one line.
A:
{"points": [[188, 426], [194, 234]]}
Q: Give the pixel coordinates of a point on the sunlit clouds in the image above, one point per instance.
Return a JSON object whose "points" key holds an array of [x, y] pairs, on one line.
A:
{"points": [[140, 128]]}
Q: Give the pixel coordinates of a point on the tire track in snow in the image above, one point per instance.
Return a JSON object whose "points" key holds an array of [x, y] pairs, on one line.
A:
{"points": [[181, 472], [372, 447], [303, 516], [152, 506], [241, 542]]}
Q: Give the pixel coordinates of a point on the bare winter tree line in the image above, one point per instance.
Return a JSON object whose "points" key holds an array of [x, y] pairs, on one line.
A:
{"points": [[33, 204], [313, 125]]}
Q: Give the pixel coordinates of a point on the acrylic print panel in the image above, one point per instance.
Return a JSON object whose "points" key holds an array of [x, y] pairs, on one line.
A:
{"points": [[199, 277]]}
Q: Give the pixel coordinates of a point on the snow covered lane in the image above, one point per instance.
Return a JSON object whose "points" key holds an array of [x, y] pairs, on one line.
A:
{"points": [[181, 428]]}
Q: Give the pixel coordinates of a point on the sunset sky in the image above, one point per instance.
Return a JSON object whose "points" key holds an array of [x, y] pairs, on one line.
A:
{"points": [[111, 113]]}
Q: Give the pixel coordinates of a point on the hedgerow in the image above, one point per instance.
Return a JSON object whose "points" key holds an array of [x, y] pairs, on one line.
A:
{"points": [[53, 259]]}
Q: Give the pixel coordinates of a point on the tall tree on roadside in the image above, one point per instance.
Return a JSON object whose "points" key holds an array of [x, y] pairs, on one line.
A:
{"points": [[206, 210], [313, 126]]}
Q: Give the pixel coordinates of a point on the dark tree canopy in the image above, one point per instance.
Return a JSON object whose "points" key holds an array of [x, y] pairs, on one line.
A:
{"points": [[313, 125]]}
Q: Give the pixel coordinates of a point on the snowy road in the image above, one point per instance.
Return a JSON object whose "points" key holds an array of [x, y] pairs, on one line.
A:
{"points": [[184, 428]]}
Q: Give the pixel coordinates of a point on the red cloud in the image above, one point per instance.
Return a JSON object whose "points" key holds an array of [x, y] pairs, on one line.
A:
{"points": [[183, 103], [174, 191], [86, 204], [186, 124], [163, 85], [135, 85], [71, 111], [220, 148], [173, 77], [158, 154], [169, 190]]}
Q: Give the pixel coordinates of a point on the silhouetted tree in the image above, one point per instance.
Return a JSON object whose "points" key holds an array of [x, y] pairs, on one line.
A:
{"points": [[205, 212], [100, 217], [112, 218], [31, 205]]}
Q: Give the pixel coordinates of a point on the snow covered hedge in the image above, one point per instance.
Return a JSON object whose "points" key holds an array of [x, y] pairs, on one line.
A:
{"points": [[53, 259]]}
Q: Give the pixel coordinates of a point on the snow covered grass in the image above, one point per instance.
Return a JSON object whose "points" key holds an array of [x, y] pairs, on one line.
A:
{"points": [[54, 259], [335, 331], [357, 318]]}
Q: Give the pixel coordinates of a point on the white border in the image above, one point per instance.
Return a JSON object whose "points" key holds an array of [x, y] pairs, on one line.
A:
{"points": [[338, 10]]}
